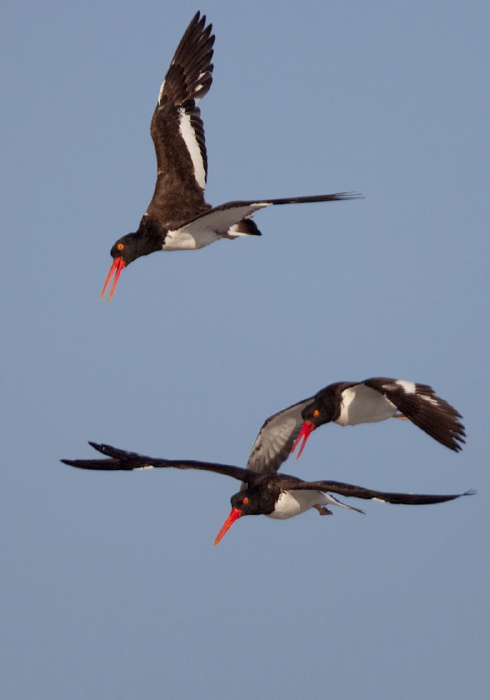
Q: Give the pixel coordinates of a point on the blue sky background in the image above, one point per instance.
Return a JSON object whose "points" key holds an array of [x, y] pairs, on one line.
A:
{"points": [[111, 586]]}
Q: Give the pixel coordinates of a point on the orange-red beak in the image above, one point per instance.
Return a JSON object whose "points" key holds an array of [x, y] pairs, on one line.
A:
{"points": [[234, 515], [117, 265], [304, 434]]}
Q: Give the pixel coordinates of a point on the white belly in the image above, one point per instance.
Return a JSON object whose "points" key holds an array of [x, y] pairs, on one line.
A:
{"points": [[361, 404], [181, 239], [293, 503]]}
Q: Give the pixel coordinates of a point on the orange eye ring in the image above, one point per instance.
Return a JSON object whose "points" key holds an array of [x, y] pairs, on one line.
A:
{"points": [[316, 413], [120, 246], [245, 500]]}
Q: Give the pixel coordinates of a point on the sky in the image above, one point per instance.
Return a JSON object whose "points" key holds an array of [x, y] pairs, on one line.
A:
{"points": [[111, 586]]}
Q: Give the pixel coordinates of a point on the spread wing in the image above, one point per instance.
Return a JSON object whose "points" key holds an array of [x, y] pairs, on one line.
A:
{"points": [[422, 406], [223, 217], [276, 438], [177, 130], [129, 461], [349, 490]]}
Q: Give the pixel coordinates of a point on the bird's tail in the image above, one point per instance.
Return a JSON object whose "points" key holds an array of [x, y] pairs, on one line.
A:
{"points": [[245, 227], [335, 501]]}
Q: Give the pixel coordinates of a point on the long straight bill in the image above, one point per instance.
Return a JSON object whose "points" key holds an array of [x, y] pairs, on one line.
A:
{"points": [[117, 265], [234, 515]]}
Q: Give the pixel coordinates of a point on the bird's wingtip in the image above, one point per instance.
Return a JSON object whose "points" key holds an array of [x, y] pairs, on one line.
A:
{"points": [[99, 446]]}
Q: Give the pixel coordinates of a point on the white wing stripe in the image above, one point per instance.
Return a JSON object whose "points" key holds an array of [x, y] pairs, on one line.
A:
{"points": [[161, 92], [408, 387], [189, 135]]}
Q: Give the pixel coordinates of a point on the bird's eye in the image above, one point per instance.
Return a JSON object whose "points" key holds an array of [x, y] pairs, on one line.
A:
{"points": [[316, 413], [120, 246], [245, 501]]}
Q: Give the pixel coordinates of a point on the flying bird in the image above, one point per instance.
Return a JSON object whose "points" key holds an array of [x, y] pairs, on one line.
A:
{"points": [[351, 403], [178, 217], [276, 495]]}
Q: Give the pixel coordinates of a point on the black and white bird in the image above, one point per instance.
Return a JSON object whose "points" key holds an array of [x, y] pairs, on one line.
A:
{"points": [[276, 495], [178, 217], [351, 403]]}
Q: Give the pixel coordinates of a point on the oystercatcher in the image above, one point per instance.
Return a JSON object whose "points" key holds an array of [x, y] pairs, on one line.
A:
{"points": [[350, 403], [276, 495], [178, 217]]}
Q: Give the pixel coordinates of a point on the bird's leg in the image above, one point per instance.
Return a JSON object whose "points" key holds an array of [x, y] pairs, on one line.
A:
{"points": [[400, 416], [323, 510]]}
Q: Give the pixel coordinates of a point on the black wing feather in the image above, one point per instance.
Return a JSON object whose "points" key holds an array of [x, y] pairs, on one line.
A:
{"points": [[352, 491], [128, 461], [188, 79], [424, 408]]}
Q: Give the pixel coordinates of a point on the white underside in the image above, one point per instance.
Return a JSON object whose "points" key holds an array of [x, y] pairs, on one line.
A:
{"points": [[210, 227], [291, 503], [181, 239], [361, 404]]}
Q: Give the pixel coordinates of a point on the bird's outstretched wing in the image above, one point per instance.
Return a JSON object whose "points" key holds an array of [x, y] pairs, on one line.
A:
{"points": [[177, 129], [276, 438], [225, 216], [422, 406], [129, 461], [351, 491]]}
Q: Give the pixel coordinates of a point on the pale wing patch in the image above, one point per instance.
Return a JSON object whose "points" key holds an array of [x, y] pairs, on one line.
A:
{"points": [[408, 387], [270, 442], [275, 439], [189, 135], [429, 399], [411, 388], [199, 86]]}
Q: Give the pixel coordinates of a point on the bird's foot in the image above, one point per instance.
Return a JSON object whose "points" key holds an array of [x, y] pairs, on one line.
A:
{"points": [[400, 416], [323, 510]]}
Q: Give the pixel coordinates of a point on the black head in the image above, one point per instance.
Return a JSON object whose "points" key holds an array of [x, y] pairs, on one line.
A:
{"points": [[322, 409], [325, 406], [124, 251], [148, 239], [317, 413], [128, 248], [256, 500]]}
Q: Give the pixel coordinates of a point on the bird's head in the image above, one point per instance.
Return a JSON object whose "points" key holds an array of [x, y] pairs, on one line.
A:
{"points": [[315, 414], [252, 501], [124, 251]]}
